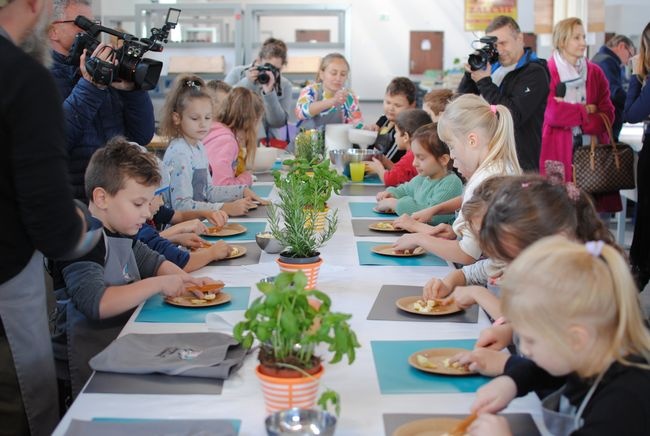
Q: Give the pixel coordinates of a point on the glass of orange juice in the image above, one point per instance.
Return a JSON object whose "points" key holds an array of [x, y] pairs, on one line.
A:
{"points": [[357, 170]]}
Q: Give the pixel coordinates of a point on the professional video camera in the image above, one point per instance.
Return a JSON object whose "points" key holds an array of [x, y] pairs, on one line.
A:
{"points": [[264, 76], [484, 55], [130, 65]]}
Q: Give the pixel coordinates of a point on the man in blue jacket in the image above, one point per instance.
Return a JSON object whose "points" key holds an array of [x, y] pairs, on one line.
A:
{"points": [[520, 82], [93, 113], [612, 58]]}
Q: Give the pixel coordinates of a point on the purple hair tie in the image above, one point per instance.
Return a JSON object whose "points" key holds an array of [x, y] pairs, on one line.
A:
{"points": [[594, 247]]}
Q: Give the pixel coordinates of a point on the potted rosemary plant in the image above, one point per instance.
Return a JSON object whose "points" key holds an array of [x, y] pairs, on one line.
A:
{"points": [[290, 322], [310, 145]]}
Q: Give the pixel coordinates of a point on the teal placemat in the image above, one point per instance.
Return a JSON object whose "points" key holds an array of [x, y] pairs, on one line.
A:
{"points": [[262, 190], [249, 235], [360, 209], [396, 376], [367, 257], [156, 310], [236, 423]]}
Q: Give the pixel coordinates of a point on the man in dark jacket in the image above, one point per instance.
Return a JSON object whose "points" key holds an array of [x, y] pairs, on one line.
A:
{"points": [[612, 58], [519, 81], [93, 113]]}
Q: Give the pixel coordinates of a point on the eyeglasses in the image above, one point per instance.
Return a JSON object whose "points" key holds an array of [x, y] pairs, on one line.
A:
{"points": [[630, 51], [98, 22]]}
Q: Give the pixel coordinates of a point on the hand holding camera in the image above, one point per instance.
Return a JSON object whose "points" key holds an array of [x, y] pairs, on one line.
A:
{"points": [[267, 75], [479, 62]]}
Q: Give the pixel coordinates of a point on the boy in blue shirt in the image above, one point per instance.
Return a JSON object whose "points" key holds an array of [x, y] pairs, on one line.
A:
{"points": [[96, 293]]}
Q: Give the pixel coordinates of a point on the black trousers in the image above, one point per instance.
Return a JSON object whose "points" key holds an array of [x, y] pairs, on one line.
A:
{"points": [[12, 410], [640, 250]]}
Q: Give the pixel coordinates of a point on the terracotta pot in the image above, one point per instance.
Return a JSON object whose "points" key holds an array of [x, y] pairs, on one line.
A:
{"points": [[310, 269], [285, 393]]}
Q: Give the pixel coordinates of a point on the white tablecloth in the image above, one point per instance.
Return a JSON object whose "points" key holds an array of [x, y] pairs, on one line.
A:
{"points": [[353, 289]]}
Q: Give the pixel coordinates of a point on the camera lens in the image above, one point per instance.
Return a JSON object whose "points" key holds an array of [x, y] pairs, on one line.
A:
{"points": [[477, 61], [263, 78]]}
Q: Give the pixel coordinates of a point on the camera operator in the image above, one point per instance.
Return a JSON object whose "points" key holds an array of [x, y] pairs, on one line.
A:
{"points": [[38, 216], [519, 81], [93, 113], [275, 93]]}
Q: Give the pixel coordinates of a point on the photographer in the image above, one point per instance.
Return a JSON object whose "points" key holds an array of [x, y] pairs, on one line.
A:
{"points": [[264, 78], [93, 113], [517, 80]]}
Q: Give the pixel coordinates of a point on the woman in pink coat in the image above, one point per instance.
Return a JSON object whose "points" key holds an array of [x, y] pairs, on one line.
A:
{"points": [[578, 92], [232, 139]]}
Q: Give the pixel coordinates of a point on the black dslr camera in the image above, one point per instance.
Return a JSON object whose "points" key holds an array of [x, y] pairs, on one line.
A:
{"points": [[130, 66], [264, 76], [484, 55]]}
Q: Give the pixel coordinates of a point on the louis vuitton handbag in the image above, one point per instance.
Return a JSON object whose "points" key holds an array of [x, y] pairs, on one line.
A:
{"points": [[601, 168]]}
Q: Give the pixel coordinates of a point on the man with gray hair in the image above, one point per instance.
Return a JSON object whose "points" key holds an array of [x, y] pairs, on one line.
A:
{"points": [[519, 81], [38, 216], [94, 113], [612, 59]]}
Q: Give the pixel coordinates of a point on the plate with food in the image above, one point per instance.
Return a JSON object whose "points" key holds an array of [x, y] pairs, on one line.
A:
{"points": [[235, 251], [385, 226], [384, 212], [229, 229], [438, 306], [208, 299], [389, 250], [438, 361], [439, 426]]}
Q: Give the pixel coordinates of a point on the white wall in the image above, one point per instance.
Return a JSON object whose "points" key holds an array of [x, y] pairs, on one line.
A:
{"points": [[379, 40]]}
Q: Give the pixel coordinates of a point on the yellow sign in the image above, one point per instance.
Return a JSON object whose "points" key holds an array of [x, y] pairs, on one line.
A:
{"points": [[479, 13]]}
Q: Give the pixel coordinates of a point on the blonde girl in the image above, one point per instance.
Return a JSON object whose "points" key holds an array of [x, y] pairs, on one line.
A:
{"points": [[575, 308], [187, 116], [481, 140], [328, 101], [232, 139], [434, 182]]}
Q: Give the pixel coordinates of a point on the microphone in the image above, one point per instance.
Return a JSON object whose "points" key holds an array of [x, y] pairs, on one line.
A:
{"points": [[560, 90]]}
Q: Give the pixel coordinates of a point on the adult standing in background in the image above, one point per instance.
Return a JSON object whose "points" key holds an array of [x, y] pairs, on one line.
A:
{"points": [[612, 59], [94, 113], [574, 117], [38, 216], [519, 81], [275, 89], [637, 109]]}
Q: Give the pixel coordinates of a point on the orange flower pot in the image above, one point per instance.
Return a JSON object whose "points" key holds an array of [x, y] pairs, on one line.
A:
{"points": [[311, 270], [284, 393]]}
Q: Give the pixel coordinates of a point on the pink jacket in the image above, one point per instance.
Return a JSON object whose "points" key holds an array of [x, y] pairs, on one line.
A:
{"points": [[222, 149], [560, 117]]}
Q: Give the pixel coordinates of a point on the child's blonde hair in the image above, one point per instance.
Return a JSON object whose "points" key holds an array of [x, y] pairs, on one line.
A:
{"points": [[328, 59], [185, 88], [469, 113], [241, 112], [556, 283]]}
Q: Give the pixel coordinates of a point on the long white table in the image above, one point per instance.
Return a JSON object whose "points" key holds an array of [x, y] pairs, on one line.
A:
{"points": [[353, 289]]}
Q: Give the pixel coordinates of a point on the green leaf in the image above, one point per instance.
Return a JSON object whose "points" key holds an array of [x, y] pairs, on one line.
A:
{"points": [[289, 323], [300, 280], [330, 397]]}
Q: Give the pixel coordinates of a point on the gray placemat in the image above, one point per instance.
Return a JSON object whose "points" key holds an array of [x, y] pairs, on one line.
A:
{"points": [[264, 177], [521, 424], [259, 212], [360, 228], [252, 256], [361, 190], [147, 427], [385, 309], [157, 384]]}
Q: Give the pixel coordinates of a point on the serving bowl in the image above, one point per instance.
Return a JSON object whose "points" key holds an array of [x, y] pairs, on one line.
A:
{"points": [[340, 159], [264, 159], [363, 138], [268, 243], [300, 422], [359, 155]]}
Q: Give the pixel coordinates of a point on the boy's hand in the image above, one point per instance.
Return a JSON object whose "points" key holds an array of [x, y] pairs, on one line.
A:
{"points": [[407, 223], [464, 296], [219, 250], [443, 231], [407, 242], [435, 288], [387, 204], [495, 396], [375, 166], [192, 226], [217, 218], [172, 285], [189, 240], [424, 215], [489, 424], [488, 362], [495, 337], [251, 195], [238, 207]]}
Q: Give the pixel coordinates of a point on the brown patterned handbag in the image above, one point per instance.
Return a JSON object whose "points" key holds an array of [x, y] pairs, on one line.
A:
{"points": [[601, 168]]}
